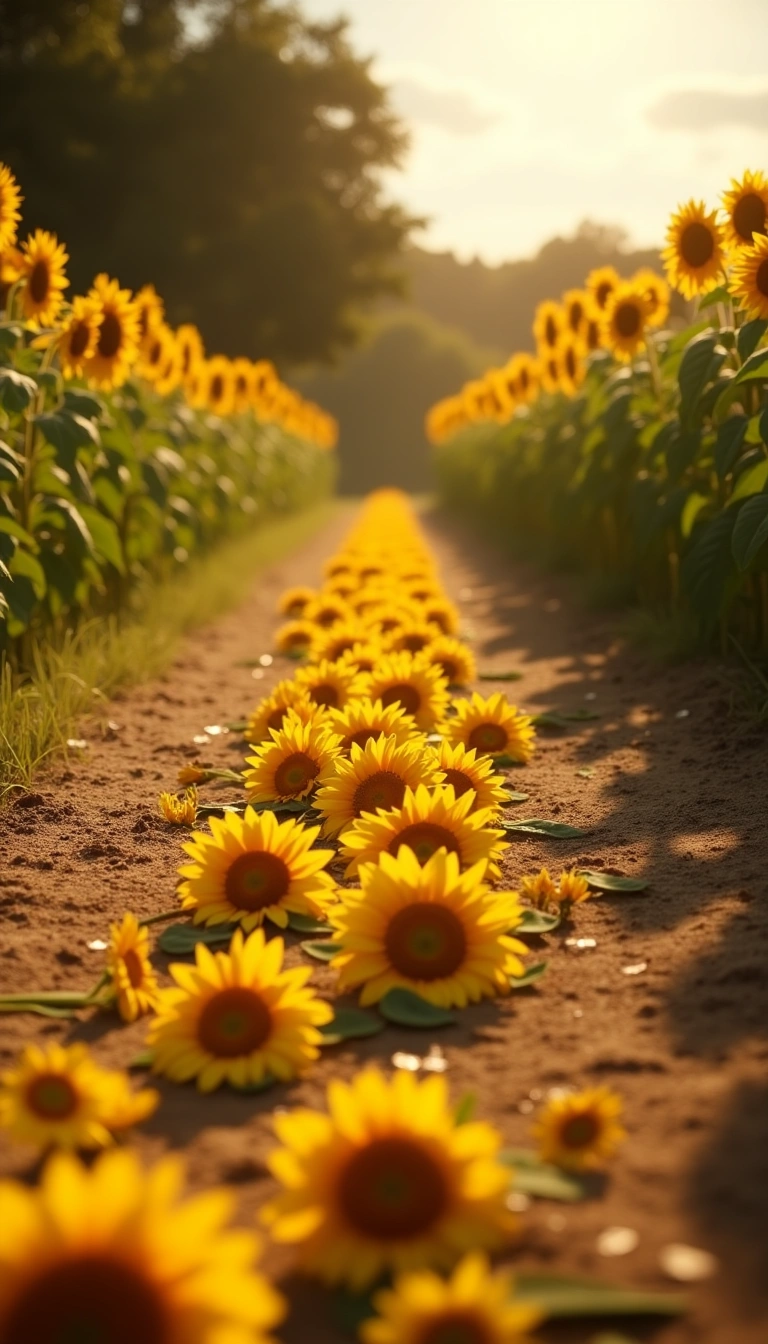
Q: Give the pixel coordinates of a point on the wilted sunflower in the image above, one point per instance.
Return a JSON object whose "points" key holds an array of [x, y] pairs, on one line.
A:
{"points": [[179, 811], [363, 719], [465, 770], [750, 278], [299, 758], [578, 1130], [625, 321], [295, 637], [601, 283], [111, 1253], [237, 1017], [539, 890], [576, 303], [746, 209], [694, 257], [59, 1096], [573, 369], [191, 349], [79, 334], [253, 868], [474, 1306], [387, 1180], [43, 262], [454, 659], [375, 776], [293, 601], [219, 385], [655, 291], [271, 712], [134, 981], [572, 888], [330, 685], [549, 324], [10, 214], [493, 727], [118, 340], [412, 681], [427, 820]]}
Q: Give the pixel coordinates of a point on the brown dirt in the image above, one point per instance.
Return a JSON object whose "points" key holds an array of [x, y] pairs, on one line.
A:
{"points": [[678, 797]]}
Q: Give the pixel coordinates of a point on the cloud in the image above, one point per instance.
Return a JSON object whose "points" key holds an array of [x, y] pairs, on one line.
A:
{"points": [[451, 110], [708, 109]]}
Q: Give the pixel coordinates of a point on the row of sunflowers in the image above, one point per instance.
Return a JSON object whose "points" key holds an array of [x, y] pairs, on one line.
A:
{"points": [[124, 448], [371, 817], [628, 447]]}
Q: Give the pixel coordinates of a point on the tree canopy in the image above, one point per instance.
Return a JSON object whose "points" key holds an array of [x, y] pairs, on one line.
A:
{"points": [[227, 150]]}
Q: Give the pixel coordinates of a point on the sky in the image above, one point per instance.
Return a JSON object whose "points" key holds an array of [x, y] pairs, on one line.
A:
{"points": [[529, 116]]}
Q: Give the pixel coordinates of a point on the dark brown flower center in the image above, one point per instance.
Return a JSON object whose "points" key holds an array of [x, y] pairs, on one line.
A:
{"points": [[382, 789], [425, 941], [628, 319], [277, 718], [217, 387], [402, 693], [438, 617], [39, 281], [325, 695], [550, 331], [579, 1131], [761, 278], [51, 1097], [449, 670], [456, 1326], [234, 1022], [697, 244], [488, 737], [134, 967], [570, 363], [602, 293], [362, 736], [87, 1299], [392, 1190], [257, 880], [749, 216], [414, 641], [593, 335], [110, 336], [295, 774], [342, 645], [326, 617], [78, 339], [155, 352], [425, 838], [576, 314], [461, 782]]}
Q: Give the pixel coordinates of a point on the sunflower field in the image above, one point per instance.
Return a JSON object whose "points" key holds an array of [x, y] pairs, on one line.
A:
{"points": [[631, 449], [124, 448]]}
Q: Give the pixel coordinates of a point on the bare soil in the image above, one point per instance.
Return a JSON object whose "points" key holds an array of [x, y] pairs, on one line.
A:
{"points": [[666, 784]]}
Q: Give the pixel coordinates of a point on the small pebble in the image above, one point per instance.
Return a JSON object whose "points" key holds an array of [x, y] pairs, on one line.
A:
{"points": [[201, 739], [97, 945], [214, 729], [266, 660], [617, 1241], [434, 1061], [682, 714], [591, 695], [517, 1202], [687, 1264], [525, 1106], [581, 943], [557, 1222], [257, 673], [401, 1060], [636, 969], [77, 743]]}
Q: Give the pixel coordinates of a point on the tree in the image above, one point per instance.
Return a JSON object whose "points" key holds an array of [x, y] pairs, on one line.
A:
{"points": [[229, 151]]}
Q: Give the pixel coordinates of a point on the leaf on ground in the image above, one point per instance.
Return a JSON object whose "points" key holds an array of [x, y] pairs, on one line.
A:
{"points": [[506, 762], [536, 921], [350, 1024], [562, 1296], [490, 675], [556, 830], [514, 797], [320, 949], [407, 1009], [465, 1109], [530, 976], [143, 1060], [219, 809], [180, 940], [558, 721], [306, 924], [613, 882], [540, 1179]]}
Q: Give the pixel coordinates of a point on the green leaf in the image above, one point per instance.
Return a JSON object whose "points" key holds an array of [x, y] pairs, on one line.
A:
{"points": [[535, 921], [529, 976], [613, 882], [512, 796], [751, 482], [490, 675], [351, 1024], [750, 531], [306, 924], [562, 1296], [41, 1009], [730, 437], [144, 1060], [556, 830], [541, 1179], [700, 363], [504, 761], [691, 510], [28, 565], [10, 335], [180, 940], [719, 295], [558, 720], [407, 1009], [13, 529], [707, 565], [66, 431], [465, 1109], [321, 950], [749, 335], [105, 535], [754, 367], [83, 403], [17, 391]]}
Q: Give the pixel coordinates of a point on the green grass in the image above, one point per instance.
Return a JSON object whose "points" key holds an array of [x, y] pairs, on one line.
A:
{"points": [[77, 676]]}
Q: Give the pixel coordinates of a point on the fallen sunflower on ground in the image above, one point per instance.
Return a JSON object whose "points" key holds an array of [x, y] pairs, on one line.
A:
{"points": [[432, 929], [330, 685], [465, 770], [112, 1253], [473, 1306], [59, 1096], [539, 891], [412, 681], [133, 980], [237, 1017], [427, 820], [253, 868], [375, 776], [295, 637], [493, 727], [454, 660], [387, 1180], [578, 1130], [299, 758], [364, 719], [270, 713], [179, 811]]}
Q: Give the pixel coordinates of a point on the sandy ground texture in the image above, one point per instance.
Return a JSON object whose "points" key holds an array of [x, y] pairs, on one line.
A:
{"points": [[665, 783]]}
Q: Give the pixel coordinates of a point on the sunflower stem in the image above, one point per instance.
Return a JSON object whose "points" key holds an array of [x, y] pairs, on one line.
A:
{"points": [[58, 998], [162, 918]]}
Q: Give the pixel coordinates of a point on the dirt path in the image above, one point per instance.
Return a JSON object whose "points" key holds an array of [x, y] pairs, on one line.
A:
{"points": [[664, 787]]}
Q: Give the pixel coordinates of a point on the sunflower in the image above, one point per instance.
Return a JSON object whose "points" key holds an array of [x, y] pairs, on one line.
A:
{"points": [[363, 719], [219, 385], [10, 214], [746, 210], [179, 811], [242, 376], [387, 1180], [412, 681], [10, 271], [750, 278], [299, 758], [253, 868], [625, 320], [572, 888], [363, 657], [113, 1253], [425, 822], [43, 262], [576, 303], [694, 256], [133, 979], [237, 1017], [524, 373], [118, 341], [375, 777], [157, 347], [169, 375], [295, 637], [271, 711], [539, 890], [58, 1095], [592, 334], [549, 324], [293, 602], [342, 587], [655, 291], [550, 372], [601, 283], [79, 334], [573, 370], [577, 1130], [191, 349], [150, 310], [474, 1306], [464, 770], [438, 611], [330, 685], [326, 611], [492, 727], [412, 637]]}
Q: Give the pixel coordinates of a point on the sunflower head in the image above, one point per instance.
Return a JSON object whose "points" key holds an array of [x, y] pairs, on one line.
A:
{"points": [[539, 890], [578, 1130], [572, 888], [525, 376], [117, 344], [601, 283], [573, 369], [299, 758], [295, 637], [375, 777], [576, 303], [293, 602], [362, 720], [43, 262], [219, 385], [180, 811], [331, 685], [426, 821], [655, 291], [473, 1306], [745, 206], [10, 212], [625, 321], [454, 659], [750, 278], [468, 772], [492, 726], [694, 257], [191, 348], [413, 682], [150, 310], [363, 656], [271, 712], [79, 334], [133, 979], [241, 392], [550, 323]]}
